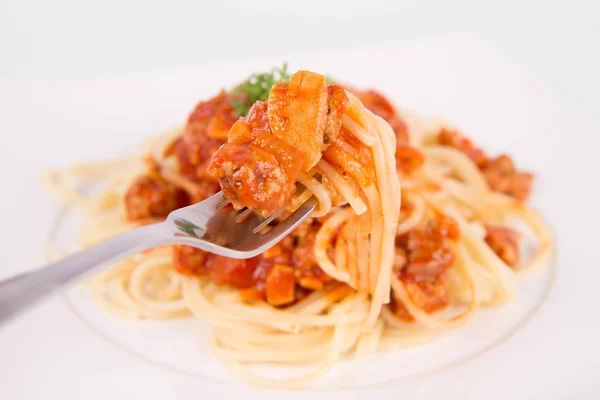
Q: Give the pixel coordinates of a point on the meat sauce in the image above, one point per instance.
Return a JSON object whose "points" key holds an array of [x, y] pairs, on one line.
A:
{"points": [[500, 172], [381, 106], [206, 130], [150, 196], [423, 256], [282, 275], [255, 168], [288, 271], [408, 159], [267, 150], [505, 243]]}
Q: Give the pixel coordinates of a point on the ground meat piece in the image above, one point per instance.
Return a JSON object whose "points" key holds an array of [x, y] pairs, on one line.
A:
{"points": [[505, 243], [193, 155], [430, 295], [206, 129], [423, 256], [443, 226], [429, 251], [428, 256], [206, 188], [232, 272], [212, 118], [222, 270], [337, 104], [454, 139], [408, 159], [353, 157], [189, 260], [150, 196], [298, 114], [251, 177], [502, 176], [267, 150], [256, 169]]}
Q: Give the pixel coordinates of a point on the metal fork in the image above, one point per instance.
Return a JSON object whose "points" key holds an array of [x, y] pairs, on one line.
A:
{"points": [[204, 225]]}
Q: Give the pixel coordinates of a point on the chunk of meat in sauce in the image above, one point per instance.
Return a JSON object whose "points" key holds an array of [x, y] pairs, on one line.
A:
{"points": [[505, 243], [206, 130], [204, 190], [189, 260], [454, 139], [500, 173], [337, 105], [429, 250], [429, 296], [259, 165], [423, 256], [207, 127], [212, 118], [256, 169], [350, 156], [150, 196], [502, 176], [408, 159], [298, 114], [230, 271]]}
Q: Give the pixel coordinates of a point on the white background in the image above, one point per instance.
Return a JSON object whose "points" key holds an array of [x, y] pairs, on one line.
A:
{"points": [[66, 40], [558, 41]]}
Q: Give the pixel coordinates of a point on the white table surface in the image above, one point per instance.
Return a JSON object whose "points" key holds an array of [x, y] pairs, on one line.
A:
{"points": [[557, 41]]}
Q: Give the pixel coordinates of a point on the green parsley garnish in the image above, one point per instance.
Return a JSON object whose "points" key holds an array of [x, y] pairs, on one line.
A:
{"points": [[256, 88]]}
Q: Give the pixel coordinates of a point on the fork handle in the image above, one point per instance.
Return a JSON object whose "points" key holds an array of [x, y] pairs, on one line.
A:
{"points": [[20, 292]]}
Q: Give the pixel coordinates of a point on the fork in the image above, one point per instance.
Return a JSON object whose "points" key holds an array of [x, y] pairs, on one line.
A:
{"points": [[205, 225]]}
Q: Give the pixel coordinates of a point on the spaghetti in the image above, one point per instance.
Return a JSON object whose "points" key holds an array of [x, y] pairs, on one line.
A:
{"points": [[366, 273]]}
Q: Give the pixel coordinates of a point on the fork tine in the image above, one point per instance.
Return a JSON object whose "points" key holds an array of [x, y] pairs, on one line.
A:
{"points": [[267, 221], [203, 226], [240, 217], [222, 204]]}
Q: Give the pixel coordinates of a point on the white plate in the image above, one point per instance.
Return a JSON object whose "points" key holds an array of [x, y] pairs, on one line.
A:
{"points": [[68, 349]]}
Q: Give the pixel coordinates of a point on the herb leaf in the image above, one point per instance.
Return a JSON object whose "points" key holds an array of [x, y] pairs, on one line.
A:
{"points": [[256, 88]]}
